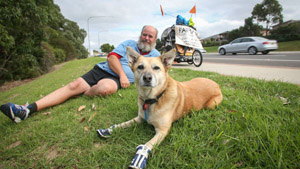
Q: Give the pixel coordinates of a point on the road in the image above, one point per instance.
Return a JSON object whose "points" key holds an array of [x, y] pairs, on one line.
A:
{"points": [[277, 59], [279, 66]]}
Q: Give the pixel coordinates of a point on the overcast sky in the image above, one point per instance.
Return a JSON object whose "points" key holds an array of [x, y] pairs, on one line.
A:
{"points": [[125, 18]]}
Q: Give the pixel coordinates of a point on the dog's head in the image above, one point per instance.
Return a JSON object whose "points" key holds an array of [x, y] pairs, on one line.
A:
{"points": [[150, 71]]}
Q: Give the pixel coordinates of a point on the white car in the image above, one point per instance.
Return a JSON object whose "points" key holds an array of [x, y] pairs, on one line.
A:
{"points": [[250, 45]]}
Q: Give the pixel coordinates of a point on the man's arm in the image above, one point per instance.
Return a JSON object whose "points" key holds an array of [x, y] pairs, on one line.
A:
{"points": [[115, 66]]}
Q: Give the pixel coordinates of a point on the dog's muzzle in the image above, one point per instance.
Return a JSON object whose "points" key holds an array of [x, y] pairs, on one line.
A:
{"points": [[147, 79]]}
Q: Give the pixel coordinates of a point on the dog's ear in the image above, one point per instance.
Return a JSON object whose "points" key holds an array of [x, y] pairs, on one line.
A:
{"points": [[167, 58], [132, 56]]}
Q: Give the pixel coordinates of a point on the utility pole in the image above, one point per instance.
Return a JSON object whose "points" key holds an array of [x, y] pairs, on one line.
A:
{"points": [[88, 25]]}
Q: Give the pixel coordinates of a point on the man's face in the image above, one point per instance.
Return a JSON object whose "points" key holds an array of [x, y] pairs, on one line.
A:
{"points": [[148, 35], [147, 39]]}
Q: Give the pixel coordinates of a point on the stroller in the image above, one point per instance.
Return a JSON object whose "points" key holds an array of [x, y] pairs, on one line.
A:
{"points": [[185, 40]]}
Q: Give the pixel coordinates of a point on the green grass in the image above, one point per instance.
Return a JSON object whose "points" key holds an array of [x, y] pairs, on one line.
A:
{"points": [[282, 46], [289, 46], [252, 128], [211, 49]]}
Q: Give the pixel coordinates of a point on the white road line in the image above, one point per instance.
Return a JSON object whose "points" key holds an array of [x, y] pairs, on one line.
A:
{"points": [[272, 60]]}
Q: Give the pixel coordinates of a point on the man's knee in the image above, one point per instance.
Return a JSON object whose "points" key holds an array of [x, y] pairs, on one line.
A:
{"points": [[77, 84], [103, 88], [107, 89]]}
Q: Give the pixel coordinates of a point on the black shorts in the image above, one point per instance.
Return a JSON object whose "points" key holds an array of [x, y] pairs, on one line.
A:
{"points": [[96, 74]]}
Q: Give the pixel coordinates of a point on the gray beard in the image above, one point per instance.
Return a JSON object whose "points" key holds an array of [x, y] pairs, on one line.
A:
{"points": [[146, 47]]}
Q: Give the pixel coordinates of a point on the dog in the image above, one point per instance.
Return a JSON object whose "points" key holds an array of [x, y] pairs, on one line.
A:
{"points": [[163, 100]]}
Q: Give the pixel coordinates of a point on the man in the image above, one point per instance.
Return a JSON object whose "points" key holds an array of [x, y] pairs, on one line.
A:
{"points": [[104, 79]]}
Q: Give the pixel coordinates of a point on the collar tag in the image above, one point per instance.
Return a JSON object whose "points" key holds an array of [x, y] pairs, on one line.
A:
{"points": [[145, 106], [150, 101], [145, 109]]}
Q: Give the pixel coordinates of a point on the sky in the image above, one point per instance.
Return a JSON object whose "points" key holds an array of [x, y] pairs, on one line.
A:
{"points": [[114, 21]]}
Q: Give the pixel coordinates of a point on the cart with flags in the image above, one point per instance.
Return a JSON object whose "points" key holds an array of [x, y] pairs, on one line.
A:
{"points": [[184, 38]]}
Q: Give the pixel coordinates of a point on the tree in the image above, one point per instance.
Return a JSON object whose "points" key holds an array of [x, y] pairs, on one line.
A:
{"points": [[269, 12], [288, 32], [107, 48], [159, 44], [236, 33], [33, 36], [249, 29], [76, 36], [22, 23]]}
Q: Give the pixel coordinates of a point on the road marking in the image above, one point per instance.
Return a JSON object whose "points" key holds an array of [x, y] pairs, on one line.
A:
{"points": [[273, 60]]}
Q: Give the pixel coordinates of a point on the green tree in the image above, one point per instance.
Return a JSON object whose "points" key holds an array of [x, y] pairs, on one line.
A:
{"points": [[236, 33], [251, 29], [34, 35], [286, 33], [159, 44], [22, 26], [76, 36], [107, 48], [269, 12]]}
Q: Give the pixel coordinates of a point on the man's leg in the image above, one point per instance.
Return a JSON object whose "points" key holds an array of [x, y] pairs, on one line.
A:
{"points": [[103, 88], [60, 95], [18, 112]]}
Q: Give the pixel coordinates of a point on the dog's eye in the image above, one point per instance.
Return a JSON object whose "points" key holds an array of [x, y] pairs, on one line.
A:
{"points": [[156, 68], [140, 67]]}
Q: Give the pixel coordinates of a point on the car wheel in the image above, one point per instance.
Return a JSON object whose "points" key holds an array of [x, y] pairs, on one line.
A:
{"points": [[233, 53], [222, 51], [265, 52], [252, 50]]}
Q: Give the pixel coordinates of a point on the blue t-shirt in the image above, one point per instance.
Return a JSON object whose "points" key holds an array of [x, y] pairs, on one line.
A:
{"points": [[121, 50]]}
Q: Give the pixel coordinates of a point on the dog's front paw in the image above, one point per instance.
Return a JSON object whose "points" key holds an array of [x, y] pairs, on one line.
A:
{"points": [[141, 156], [106, 132]]}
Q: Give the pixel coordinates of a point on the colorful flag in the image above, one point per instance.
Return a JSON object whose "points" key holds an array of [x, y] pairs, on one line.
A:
{"points": [[162, 12], [193, 10]]}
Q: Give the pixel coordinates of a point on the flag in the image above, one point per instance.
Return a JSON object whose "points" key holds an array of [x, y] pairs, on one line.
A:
{"points": [[193, 10], [162, 12]]}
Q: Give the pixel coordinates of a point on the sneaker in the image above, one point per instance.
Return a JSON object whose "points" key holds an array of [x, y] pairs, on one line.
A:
{"points": [[140, 159], [105, 133], [15, 112]]}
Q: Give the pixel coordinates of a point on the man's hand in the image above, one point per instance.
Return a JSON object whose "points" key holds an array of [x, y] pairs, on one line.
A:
{"points": [[116, 67], [124, 81]]}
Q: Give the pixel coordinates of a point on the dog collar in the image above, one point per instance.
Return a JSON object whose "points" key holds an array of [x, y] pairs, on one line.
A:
{"points": [[150, 101]]}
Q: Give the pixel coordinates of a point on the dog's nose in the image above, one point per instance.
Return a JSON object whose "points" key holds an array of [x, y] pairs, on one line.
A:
{"points": [[147, 78]]}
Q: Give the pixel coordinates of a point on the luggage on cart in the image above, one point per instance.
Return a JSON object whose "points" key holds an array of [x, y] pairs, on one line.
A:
{"points": [[185, 40]]}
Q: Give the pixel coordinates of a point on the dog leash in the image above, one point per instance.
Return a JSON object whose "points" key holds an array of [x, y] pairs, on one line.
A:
{"points": [[150, 101]]}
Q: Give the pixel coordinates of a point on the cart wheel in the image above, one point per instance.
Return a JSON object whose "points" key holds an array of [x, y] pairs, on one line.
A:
{"points": [[197, 58]]}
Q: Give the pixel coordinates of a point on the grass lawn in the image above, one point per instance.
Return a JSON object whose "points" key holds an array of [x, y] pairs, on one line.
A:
{"points": [[256, 126], [282, 46], [289, 46]]}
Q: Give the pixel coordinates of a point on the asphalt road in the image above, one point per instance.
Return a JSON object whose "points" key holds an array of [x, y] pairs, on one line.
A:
{"points": [[278, 66], [276, 59]]}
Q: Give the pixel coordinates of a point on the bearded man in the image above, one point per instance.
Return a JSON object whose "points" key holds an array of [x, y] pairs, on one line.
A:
{"points": [[104, 79]]}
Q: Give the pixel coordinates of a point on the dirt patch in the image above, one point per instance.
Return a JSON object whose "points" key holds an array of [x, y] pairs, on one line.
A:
{"points": [[9, 85], [52, 154]]}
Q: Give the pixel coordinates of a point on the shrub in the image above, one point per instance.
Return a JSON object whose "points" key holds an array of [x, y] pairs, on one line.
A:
{"points": [[286, 33], [60, 55]]}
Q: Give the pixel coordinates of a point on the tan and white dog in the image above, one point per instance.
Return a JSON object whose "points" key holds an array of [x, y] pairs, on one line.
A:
{"points": [[163, 100]]}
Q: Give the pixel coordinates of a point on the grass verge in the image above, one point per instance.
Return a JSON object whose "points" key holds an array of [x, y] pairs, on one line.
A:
{"points": [[256, 126]]}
